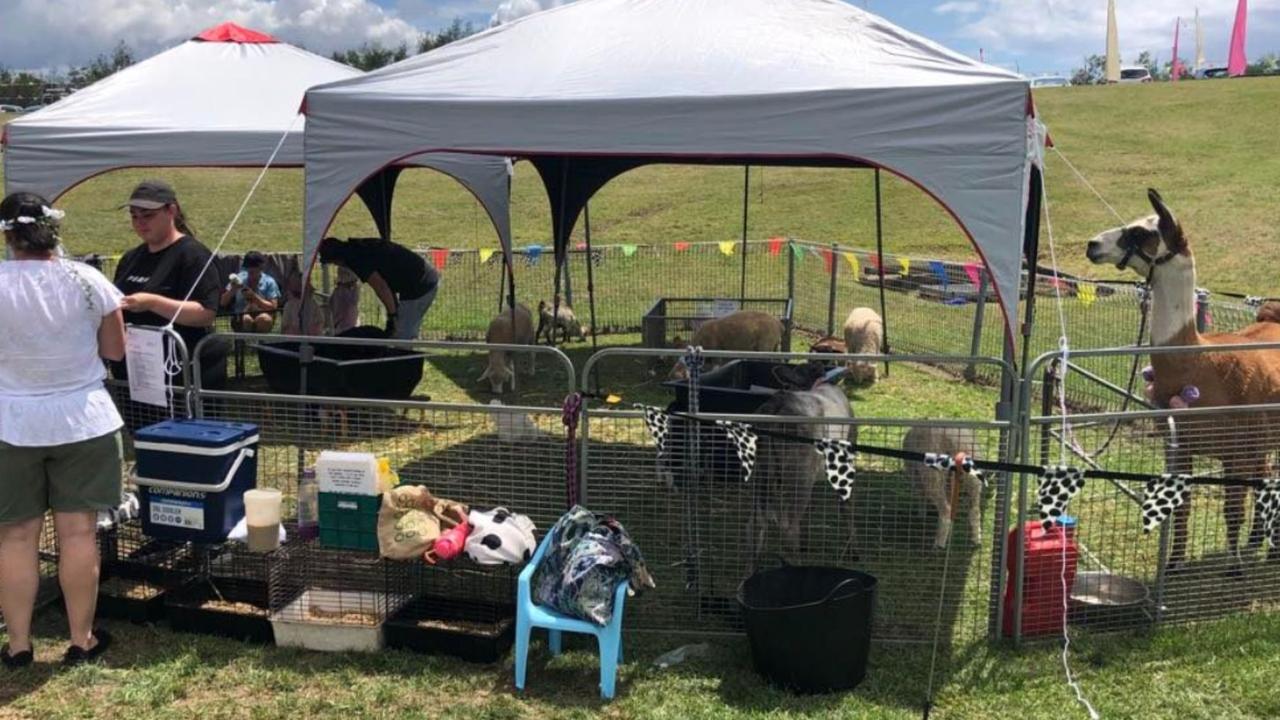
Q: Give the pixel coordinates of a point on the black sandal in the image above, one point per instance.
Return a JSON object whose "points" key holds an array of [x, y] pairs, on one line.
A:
{"points": [[77, 655], [14, 661]]}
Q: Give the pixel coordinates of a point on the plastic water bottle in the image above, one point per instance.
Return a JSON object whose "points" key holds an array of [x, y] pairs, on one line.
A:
{"points": [[308, 505]]}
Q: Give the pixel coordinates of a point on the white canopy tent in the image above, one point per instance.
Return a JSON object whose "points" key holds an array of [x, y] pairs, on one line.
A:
{"points": [[222, 99], [591, 89]]}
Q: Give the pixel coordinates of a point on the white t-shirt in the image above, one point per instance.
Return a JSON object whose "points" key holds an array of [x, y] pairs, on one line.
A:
{"points": [[51, 389]]}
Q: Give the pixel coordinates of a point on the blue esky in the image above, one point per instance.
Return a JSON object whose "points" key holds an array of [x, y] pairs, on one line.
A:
{"points": [[1032, 36]]}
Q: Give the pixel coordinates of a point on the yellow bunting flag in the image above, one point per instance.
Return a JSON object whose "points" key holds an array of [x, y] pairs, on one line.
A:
{"points": [[613, 399], [853, 263], [727, 246], [906, 266], [485, 254], [1087, 292]]}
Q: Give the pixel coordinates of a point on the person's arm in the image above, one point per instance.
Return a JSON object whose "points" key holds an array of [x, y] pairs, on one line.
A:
{"points": [[258, 302], [189, 312], [111, 336], [384, 293], [228, 295]]}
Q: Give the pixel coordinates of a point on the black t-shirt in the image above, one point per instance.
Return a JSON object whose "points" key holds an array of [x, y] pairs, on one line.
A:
{"points": [[406, 272], [170, 273]]}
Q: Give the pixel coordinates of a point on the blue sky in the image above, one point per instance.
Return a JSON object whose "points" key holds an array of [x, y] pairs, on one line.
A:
{"points": [[1032, 36]]}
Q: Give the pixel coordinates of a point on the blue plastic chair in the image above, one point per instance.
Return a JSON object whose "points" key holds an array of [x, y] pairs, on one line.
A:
{"points": [[530, 616]]}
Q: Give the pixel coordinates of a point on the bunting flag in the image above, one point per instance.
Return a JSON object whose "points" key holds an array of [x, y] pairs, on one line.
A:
{"points": [[682, 246], [939, 270], [486, 254], [628, 250], [726, 247], [659, 424], [828, 260], [744, 441], [1087, 293], [1266, 506], [974, 274], [853, 264], [875, 262], [1058, 484], [838, 455], [597, 257], [439, 258], [944, 462], [532, 253], [580, 246], [775, 245], [1163, 495], [798, 251], [905, 266]]}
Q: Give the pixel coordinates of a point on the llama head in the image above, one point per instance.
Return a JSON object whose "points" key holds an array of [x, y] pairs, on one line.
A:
{"points": [[1143, 245]]}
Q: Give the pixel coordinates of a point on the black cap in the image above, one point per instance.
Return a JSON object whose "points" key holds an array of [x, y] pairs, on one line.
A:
{"points": [[152, 195]]}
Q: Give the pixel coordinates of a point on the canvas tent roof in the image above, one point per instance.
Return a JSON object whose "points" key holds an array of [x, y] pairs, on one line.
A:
{"points": [[590, 89], [224, 98]]}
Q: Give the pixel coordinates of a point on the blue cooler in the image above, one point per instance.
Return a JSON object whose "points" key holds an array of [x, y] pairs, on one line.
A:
{"points": [[191, 477]]}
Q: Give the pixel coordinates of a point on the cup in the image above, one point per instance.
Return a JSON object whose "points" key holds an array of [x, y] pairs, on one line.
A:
{"points": [[262, 516]]}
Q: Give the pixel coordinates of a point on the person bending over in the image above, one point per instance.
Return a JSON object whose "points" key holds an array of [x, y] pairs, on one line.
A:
{"points": [[403, 280]]}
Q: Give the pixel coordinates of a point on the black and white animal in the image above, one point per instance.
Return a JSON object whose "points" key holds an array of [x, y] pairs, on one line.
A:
{"points": [[551, 319], [932, 484], [786, 471]]}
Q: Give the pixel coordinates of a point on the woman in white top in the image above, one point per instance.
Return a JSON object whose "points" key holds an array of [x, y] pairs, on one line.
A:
{"points": [[59, 431]]}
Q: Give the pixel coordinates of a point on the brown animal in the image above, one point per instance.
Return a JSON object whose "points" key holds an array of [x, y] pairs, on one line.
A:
{"points": [[507, 328], [934, 485], [1156, 248], [551, 319], [828, 344], [863, 335], [744, 330], [1269, 312]]}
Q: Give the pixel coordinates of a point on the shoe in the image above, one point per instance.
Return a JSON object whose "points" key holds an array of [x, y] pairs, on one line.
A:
{"points": [[13, 661], [77, 655]]}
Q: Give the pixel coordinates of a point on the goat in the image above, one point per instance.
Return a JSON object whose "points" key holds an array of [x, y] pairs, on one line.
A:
{"points": [[509, 327], [933, 484], [744, 330], [863, 335], [562, 319]]}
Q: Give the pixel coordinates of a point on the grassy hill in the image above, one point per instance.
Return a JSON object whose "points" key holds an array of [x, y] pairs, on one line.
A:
{"points": [[1208, 146]]}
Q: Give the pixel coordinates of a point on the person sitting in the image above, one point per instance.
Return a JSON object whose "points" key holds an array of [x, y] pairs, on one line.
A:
{"points": [[253, 296], [403, 281]]}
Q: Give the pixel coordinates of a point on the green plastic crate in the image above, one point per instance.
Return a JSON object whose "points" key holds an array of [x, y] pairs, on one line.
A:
{"points": [[349, 521]]}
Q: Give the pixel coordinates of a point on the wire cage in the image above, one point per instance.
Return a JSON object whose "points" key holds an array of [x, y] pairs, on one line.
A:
{"points": [[461, 609], [230, 597], [329, 599], [137, 570], [670, 316]]}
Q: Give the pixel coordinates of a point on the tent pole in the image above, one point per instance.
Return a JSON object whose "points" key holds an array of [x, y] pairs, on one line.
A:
{"points": [[880, 266], [591, 289], [558, 256], [746, 188]]}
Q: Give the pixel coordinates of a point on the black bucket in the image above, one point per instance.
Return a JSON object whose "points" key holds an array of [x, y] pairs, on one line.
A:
{"points": [[809, 626]]}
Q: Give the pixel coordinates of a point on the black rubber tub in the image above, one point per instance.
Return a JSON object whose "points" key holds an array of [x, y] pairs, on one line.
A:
{"points": [[394, 377], [809, 626]]}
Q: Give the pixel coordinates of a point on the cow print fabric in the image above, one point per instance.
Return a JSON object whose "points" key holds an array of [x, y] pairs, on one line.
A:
{"points": [[1058, 484], [744, 441], [838, 456], [1163, 495]]}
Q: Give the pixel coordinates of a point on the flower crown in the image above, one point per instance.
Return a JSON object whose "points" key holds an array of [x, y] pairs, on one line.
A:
{"points": [[49, 217]]}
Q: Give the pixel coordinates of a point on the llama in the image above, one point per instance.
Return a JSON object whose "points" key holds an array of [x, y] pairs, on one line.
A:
{"points": [[863, 335], [508, 327], [744, 330], [1157, 249]]}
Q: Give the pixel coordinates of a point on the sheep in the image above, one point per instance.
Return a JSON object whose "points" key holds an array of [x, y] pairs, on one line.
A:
{"points": [[863, 335], [744, 330], [562, 319], [501, 330], [933, 485]]}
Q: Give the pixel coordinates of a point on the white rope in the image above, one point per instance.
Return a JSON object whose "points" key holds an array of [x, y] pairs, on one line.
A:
{"points": [[1087, 184], [1064, 346]]}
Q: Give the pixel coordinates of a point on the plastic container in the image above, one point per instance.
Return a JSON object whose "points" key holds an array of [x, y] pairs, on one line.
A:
{"points": [[262, 515], [809, 626], [1043, 583], [308, 505], [192, 475], [349, 521]]}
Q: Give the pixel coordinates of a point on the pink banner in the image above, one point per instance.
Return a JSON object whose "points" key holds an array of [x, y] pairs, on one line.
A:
{"points": [[1175, 70], [975, 275], [1236, 61]]}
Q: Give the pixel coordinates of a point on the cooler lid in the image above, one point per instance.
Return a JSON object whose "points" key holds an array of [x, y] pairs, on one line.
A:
{"points": [[199, 433]]}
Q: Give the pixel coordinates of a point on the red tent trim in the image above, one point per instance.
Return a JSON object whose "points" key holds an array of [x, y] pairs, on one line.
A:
{"points": [[231, 32]]}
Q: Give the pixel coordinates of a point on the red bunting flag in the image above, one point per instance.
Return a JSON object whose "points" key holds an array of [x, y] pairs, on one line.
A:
{"points": [[682, 246], [580, 246], [775, 245], [975, 275], [874, 260], [439, 258], [827, 259]]}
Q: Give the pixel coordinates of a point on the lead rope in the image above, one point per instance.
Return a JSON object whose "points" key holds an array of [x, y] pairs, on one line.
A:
{"points": [[569, 416]]}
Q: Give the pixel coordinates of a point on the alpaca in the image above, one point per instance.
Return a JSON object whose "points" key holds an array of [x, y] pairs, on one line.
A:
{"points": [[745, 330], [932, 484], [1157, 249], [507, 328], [863, 335]]}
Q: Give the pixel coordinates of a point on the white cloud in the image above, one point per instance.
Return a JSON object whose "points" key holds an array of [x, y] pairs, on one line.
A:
{"points": [[55, 33], [1071, 29], [958, 7], [511, 9]]}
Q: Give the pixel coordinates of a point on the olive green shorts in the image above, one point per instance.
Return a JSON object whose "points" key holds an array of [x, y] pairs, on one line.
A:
{"points": [[76, 477]]}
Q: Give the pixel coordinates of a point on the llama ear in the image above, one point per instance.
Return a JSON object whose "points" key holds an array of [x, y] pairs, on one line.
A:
{"points": [[1170, 228]]}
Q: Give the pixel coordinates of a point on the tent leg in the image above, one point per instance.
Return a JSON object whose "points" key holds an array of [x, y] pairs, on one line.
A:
{"points": [[746, 187], [884, 318], [591, 292]]}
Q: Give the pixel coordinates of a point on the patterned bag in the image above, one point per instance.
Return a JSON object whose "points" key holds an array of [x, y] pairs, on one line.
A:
{"points": [[587, 557]]}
